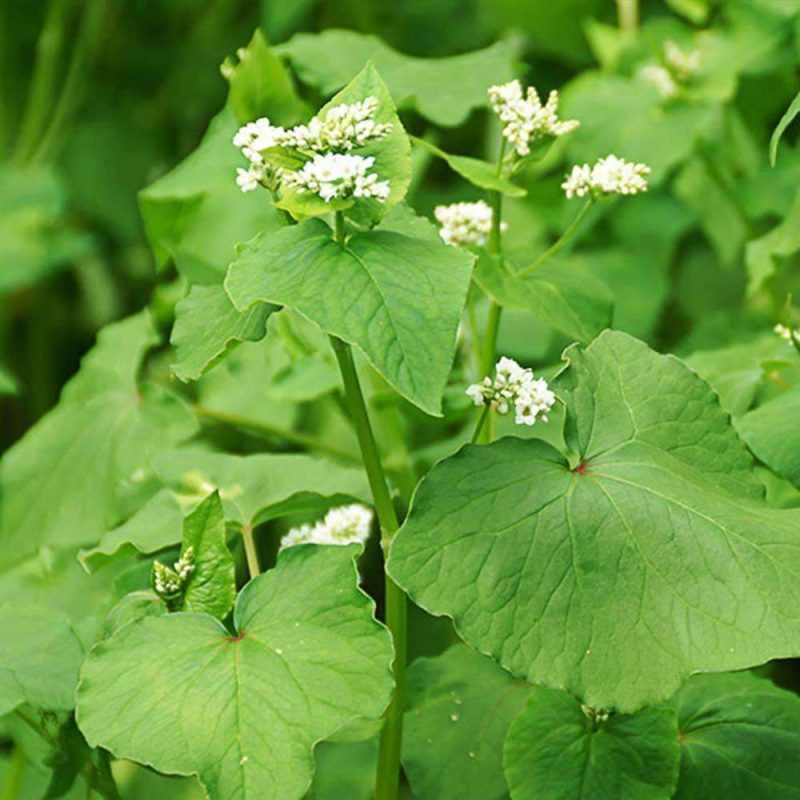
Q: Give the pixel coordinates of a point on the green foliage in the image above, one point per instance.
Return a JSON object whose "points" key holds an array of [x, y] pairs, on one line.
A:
{"points": [[559, 749], [149, 691]]}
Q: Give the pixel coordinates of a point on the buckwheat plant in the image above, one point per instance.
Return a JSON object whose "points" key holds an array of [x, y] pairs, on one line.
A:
{"points": [[334, 466]]}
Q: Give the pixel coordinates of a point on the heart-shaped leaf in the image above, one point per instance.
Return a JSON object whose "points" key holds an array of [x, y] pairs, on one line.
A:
{"points": [[558, 750], [397, 298], [243, 711], [619, 574]]}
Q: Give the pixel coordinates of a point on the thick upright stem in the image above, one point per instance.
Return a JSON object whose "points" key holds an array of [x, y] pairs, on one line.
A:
{"points": [[387, 783], [559, 244], [250, 552], [628, 15]]}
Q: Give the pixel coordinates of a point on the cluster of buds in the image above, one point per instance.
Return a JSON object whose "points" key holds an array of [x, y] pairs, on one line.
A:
{"points": [[336, 175], [465, 223], [789, 335], [525, 120], [170, 582], [515, 386], [326, 138], [678, 67], [343, 525], [610, 175]]}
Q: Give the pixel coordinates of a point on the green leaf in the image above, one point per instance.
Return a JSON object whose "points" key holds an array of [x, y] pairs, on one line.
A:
{"points": [[59, 483], [39, 659], [768, 435], [567, 296], [207, 327], [764, 255], [443, 90], [392, 154], [479, 173], [8, 383], [785, 121], [460, 707], [647, 557], [260, 86], [307, 659], [134, 606], [398, 299], [211, 587], [195, 215], [739, 736], [558, 750]]}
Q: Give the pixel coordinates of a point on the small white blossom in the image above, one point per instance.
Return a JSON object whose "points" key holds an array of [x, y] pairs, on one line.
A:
{"points": [[338, 176], [169, 582], [789, 335], [525, 120], [610, 175], [660, 79], [682, 63], [465, 223], [343, 525], [248, 180], [515, 386]]}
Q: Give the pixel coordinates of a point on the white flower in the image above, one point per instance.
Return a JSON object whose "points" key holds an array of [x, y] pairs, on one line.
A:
{"points": [[259, 135], [465, 223], [248, 179], [168, 582], [682, 63], [514, 385], [788, 335], [660, 79], [610, 175], [337, 176], [525, 120], [343, 525]]}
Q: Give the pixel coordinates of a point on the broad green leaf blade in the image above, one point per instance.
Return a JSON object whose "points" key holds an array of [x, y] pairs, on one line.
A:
{"points": [[772, 437], [398, 299], [211, 588], [208, 326], [59, 482], [260, 85], [460, 707], [557, 750], [739, 737], [618, 390], [392, 154], [195, 215], [39, 659], [308, 658], [785, 121], [479, 173], [567, 297], [443, 90], [617, 578], [157, 524]]}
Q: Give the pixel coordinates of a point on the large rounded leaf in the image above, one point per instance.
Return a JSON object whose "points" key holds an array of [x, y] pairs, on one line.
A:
{"points": [[243, 711], [616, 575]]}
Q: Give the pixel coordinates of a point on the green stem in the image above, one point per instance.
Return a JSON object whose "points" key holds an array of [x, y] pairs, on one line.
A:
{"points": [[45, 74], [74, 83], [628, 15], [559, 244], [270, 432], [13, 776], [387, 782], [485, 411], [250, 551]]}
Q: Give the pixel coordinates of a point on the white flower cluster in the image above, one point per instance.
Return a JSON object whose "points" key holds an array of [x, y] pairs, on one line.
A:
{"points": [[514, 385], [682, 63], [465, 223], [343, 525], [610, 175], [525, 120], [329, 174], [339, 175], [789, 335], [660, 79], [169, 582]]}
